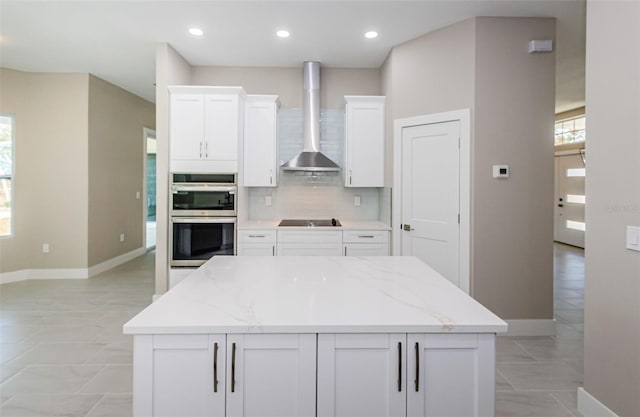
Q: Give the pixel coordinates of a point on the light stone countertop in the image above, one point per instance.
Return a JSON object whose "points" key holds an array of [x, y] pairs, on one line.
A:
{"points": [[314, 294], [346, 225]]}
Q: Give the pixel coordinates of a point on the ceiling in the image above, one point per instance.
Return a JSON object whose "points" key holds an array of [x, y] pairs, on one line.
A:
{"points": [[115, 40]]}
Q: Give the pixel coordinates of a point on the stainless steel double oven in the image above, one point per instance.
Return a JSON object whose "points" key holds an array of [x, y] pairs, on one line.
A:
{"points": [[203, 217]]}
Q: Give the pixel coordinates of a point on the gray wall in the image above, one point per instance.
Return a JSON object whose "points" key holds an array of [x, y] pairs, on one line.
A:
{"points": [[171, 69], [482, 64], [117, 119], [512, 226], [612, 287]]}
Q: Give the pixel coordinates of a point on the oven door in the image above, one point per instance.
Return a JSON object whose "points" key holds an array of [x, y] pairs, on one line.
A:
{"points": [[203, 200], [194, 240]]}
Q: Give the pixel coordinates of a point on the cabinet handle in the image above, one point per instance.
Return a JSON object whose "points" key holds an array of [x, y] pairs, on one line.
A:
{"points": [[233, 367], [273, 250], [399, 366], [215, 367], [345, 251], [417, 367], [256, 235], [200, 149], [366, 236], [206, 149]]}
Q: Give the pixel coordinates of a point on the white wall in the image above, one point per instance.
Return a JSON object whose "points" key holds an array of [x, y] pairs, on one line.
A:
{"points": [[612, 286]]}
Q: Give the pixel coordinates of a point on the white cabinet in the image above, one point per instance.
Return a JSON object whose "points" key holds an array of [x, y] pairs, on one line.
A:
{"points": [[364, 141], [309, 243], [273, 375], [260, 141], [256, 242], [361, 375], [434, 375], [365, 243], [218, 375], [177, 375], [205, 127]]}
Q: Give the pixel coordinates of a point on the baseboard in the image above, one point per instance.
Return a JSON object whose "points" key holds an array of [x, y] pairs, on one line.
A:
{"points": [[113, 262], [69, 273], [531, 328], [589, 405]]}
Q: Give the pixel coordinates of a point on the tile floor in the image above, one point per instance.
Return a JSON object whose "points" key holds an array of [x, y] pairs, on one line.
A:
{"points": [[62, 352]]}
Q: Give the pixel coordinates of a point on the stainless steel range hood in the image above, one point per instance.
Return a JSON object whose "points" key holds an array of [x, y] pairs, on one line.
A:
{"points": [[311, 159]]}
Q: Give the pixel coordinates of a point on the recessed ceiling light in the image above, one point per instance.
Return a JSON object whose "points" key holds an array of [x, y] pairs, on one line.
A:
{"points": [[283, 33], [196, 31], [371, 34]]}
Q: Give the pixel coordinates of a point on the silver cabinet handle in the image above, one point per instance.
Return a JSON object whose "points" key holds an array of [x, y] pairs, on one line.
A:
{"points": [[257, 235], [417, 367], [399, 366], [366, 236], [206, 149], [233, 367], [215, 367], [273, 250], [345, 251], [200, 149], [350, 177]]}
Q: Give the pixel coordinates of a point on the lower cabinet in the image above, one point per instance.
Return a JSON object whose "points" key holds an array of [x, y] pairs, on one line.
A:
{"points": [[218, 375], [406, 375], [257, 243], [312, 243]]}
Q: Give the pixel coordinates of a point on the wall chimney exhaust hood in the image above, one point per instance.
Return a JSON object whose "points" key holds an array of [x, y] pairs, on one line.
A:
{"points": [[311, 159]]}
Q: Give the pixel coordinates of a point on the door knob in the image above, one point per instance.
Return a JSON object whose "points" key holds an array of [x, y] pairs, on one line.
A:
{"points": [[560, 205], [407, 228]]}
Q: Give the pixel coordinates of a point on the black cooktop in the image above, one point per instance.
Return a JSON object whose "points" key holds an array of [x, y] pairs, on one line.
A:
{"points": [[310, 223]]}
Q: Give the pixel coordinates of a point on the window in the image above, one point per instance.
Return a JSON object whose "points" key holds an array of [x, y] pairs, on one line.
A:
{"points": [[576, 172], [570, 131], [6, 174]]}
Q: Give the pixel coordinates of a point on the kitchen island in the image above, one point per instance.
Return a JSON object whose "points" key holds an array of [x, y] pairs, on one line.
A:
{"points": [[304, 336]]}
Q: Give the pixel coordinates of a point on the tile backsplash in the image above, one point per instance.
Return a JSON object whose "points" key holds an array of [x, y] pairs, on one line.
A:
{"points": [[302, 195]]}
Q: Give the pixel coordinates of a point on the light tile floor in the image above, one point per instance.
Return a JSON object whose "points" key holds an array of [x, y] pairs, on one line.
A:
{"points": [[539, 376], [62, 351]]}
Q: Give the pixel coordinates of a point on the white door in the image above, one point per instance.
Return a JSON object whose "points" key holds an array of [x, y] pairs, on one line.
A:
{"points": [[361, 375], [271, 375], [450, 375], [570, 224], [431, 196]]}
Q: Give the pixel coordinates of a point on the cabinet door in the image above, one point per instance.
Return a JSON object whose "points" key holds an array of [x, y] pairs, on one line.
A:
{"points": [[271, 375], [366, 249], [361, 375], [221, 127], [256, 249], [184, 370], [309, 249], [364, 142], [260, 141], [450, 375], [186, 126]]}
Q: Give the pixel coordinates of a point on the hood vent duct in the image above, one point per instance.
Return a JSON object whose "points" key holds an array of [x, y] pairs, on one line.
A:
{"points": [[311, 159]]}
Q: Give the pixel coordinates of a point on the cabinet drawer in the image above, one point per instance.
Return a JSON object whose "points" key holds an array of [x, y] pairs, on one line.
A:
{"points": [[365, 236], [257, 236], [314, 236]]}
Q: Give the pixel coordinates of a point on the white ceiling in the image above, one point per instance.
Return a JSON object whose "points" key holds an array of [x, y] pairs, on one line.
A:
{"points": [[115, 40]]}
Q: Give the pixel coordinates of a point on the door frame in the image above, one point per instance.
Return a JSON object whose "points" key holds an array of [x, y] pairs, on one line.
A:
{"points": [[146, 132], [464, 252]]}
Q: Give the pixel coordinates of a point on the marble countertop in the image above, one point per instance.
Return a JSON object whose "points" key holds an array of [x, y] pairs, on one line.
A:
{"points": [[314, 294], [346, 225]]}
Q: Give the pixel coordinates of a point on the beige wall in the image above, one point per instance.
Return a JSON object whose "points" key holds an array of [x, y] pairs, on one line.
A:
{"points": [[482, 64], [512, 227], [431, 74], [51, 170], [116, 159], [335, 83], [612, 286], [171, 69]]}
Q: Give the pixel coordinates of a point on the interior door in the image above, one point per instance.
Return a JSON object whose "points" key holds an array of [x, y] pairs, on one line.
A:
{"points": [[569, 222], [431, 196]]}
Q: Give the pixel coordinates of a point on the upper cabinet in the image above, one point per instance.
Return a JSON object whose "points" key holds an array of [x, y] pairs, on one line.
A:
{"points": [[205, 127], [260, 141], [364, 141]]}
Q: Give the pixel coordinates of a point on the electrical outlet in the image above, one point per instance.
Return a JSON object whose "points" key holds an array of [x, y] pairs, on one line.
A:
{"points": [[356, 200], [121, 237], [45, 248], [137, 195], [267, 200]]}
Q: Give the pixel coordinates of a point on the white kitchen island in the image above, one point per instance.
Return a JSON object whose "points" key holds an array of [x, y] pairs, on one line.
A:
{"points": [[305, 336]]}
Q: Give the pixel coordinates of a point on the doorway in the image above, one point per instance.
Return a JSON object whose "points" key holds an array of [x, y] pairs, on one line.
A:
{"points": [[431, 202], [149, 211], [569, 223]]}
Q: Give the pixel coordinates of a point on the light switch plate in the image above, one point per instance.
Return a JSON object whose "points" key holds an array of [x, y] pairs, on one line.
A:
{"points": [[501, 171], [356, 200], [633, 238], [267, 200]]}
